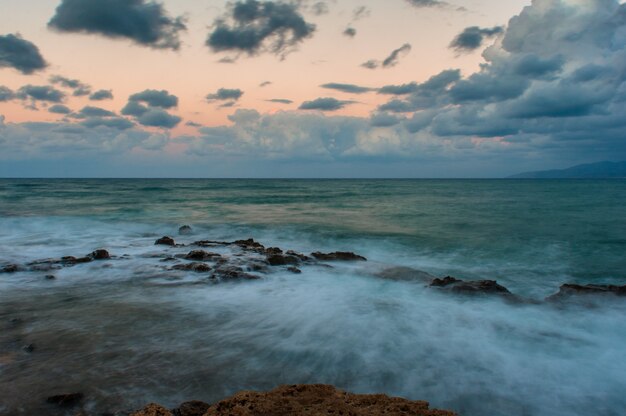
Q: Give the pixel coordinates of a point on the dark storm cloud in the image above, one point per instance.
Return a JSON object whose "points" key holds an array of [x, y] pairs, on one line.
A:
{"points": [[350, 32], [389, 61], [280, 101], [324, 104], [254, 27], [20, 54], [349, 88], [144, 22], [6, 94], [472, 38], [40, 93], [157, 117], [101, 95], [224, 94], [59, 109], [155, 98], [429, 94]]}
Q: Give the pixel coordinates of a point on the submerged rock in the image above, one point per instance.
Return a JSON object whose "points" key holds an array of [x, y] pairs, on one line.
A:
{"points": [[294, 270], [71, 260], [474, 287], [405, 274], [193, 408], [201, 255], [165, 241], [10, 268], [193, 267], [338, 256], [280, 260], [569, 290], [70, 399], [185, 230], [314, 400], [100, 255], [233, 273]]}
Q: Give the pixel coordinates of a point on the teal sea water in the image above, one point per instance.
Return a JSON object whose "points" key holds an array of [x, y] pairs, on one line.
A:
{"points": [[130, 331]]}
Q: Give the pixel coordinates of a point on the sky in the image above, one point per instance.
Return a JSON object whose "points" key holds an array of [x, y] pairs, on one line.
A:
{"points": [[333, 88]]}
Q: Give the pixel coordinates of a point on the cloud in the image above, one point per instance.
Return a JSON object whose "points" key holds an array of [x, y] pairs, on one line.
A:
{"points": [[118, 123], [254, 27], [324, 104], [101, 95], [427, 3], [6, 94], [384, 120], [90, 111], [40, 93], [320, 8], [59, 109], [193, 124], [391, 60], [280, 101], [145, 23], [350, 32], [265, 84], [155, 98], [472, 38], [224, 94], [399, 89], [20, 54], [79, 88], [432, 93], [349, 88], [360, 12], [156, 117]]}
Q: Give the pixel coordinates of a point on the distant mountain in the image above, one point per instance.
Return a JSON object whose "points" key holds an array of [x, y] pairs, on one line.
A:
{"points": [[590, 170]]}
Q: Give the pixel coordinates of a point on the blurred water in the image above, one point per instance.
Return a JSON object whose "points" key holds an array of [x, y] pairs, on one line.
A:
{"points": [[127, 332]]}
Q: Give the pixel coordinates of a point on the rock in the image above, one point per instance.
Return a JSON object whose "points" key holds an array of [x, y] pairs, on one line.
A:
{"points": [[569, 290], [298, 255], [100, 255], [280, 260], [193, 408], [249, 244], [338, 256], [233, 273], [185, 230], [317, 400], [405, 274], [201, 255], [165, 241], [29, 348], [193, 267], [294, 270], [50, 277], [66, 400], [152, 410], [273, 250], [10, 268], [475, 287]]}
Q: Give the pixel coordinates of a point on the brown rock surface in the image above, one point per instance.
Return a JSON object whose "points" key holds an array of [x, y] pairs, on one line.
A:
{"points": [[338, 256], [318, 399], [152, 410]]}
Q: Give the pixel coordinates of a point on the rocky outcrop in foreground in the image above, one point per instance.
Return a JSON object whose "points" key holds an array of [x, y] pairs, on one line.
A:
{"points": [[301, 400]]}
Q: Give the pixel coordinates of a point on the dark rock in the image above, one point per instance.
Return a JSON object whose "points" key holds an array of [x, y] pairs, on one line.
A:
{"points": [[165, 241], [50, 277], [338, 256], [201, 255], [71, 260], [475, 287], [569, 290], [152, 410], [280, 260], [298, 255], [193, 408], [210, 243], [273, 250], [10, 268], [250, 244], [29, 348], [185, 230], [405, 274], [193, 267], [233, 273], [70, 399], [100, 255], [294, 270], [446, 281]]}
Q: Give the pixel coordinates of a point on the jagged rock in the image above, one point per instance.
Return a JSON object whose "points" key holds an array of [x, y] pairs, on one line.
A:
{"points": [[100, 255], [50, 277], [211, 243], [298, 255], [29, 348], [569, 290], [474, 287], [273, 250], [294, 270], [185, 230], [201, 255], [165, 241], [317, 400], [10, 268], [233, 273], [249, 244], [280, 260], [405, 274], [71, 260], [193, 408], [338, 256], [193, 267], [152, 410], [70, 399]]}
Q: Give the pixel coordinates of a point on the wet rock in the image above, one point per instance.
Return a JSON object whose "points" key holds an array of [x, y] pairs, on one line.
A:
{"points": [[569, 290], [405, 274], [29, 348], [338, 256], [165, 241], [280, 260], [66, 400], [250, 244], [44, 267], [211, 243], [201, 255], [193, 267], [185, 230], [71, 260], [301, 256], [273, 250], [152, 410], [294, 270], [100, 255], [317, 400], [50, 277], [474, 287], [10, 268], [233, 273], [193, 408]]}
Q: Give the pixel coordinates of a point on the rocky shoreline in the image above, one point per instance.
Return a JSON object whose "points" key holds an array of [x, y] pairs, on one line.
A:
{"points": [[251, 260]]}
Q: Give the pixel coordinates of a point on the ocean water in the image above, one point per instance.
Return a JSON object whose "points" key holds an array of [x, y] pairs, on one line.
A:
{"points": [[130, 331]]}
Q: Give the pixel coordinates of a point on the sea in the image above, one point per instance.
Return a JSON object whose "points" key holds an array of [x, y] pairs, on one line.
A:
{"points": [[131, 330]]}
